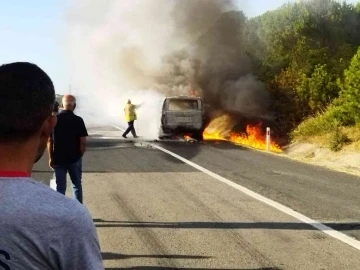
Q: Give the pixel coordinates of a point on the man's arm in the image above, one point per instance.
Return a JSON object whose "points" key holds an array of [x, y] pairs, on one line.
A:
{"points": [[82, 145], [138, 106], [50, 148], [82, 134]]}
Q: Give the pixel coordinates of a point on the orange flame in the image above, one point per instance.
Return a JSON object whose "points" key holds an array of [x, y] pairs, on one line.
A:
{"points": [[187, 137], [253, 138]]}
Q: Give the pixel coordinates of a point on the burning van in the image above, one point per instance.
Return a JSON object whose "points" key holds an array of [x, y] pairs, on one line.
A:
{"points": [[182, 115]]}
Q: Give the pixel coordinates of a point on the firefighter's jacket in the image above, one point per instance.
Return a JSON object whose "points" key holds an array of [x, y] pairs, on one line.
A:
{"points": [[130, 114]]}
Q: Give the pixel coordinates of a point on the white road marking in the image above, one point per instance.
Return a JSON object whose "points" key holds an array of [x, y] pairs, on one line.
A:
{"points": [[119, 128], [321, 227]]}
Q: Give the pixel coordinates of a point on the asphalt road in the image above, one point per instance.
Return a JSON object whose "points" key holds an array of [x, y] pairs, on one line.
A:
{"points": [[153, 211]]}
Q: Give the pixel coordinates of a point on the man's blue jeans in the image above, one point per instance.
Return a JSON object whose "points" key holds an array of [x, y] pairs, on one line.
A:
{"points": [[75, 172]]}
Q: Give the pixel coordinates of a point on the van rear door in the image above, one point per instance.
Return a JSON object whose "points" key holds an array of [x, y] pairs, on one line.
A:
{"points": [[183, 113]]}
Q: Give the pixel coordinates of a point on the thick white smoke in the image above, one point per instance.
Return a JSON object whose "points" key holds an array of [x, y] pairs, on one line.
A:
{"points": [[145, 49], [113, 47]]}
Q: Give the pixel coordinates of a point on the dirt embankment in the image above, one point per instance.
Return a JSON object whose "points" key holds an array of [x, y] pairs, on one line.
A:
{"points": [[345, 160]]}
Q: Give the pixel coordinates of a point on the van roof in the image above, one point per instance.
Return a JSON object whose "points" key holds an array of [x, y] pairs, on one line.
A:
{"points": [[183, 97]]}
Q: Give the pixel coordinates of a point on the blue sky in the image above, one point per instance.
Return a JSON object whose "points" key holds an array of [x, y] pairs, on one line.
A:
{"points": [[30, 31]]}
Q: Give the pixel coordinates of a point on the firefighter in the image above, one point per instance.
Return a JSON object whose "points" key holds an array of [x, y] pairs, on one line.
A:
{"points": [[130, 116]]}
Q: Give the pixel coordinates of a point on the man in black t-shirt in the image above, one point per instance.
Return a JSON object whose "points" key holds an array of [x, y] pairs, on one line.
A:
{"points": [[66, 147]]}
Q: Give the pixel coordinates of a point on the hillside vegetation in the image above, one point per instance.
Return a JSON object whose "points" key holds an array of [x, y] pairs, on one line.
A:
{"points": [[308, 55]]}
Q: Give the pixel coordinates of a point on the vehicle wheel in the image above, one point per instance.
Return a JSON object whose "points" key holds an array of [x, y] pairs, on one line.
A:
{"points": [[198, 136], [161, 134]]}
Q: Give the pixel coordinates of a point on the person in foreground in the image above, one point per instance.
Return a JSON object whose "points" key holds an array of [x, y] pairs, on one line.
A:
{"points": [[39, 227], [66, 147]]}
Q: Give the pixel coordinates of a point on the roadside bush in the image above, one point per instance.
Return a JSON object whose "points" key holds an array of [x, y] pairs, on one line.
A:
{"points": [[338, 139], [322, 123], [316, 125]]}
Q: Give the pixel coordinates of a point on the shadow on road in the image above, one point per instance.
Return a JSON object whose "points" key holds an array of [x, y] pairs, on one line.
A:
{"points": [[191, 150], [98, 144], [117, 256], [222, 145], [226, 225], [159, 267]]}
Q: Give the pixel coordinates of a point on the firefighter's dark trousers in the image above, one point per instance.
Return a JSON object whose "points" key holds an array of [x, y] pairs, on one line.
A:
{"points": [[131, 129]]}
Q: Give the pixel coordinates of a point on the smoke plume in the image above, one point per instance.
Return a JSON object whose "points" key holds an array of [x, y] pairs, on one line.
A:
{"points": [[147, 49]]}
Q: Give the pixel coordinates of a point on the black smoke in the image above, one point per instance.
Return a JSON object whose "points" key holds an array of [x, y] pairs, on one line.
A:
{"points": [[217, 67]]}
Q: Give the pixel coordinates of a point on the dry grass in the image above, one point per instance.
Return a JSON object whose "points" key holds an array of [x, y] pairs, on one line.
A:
{"points": [[353, 133]]}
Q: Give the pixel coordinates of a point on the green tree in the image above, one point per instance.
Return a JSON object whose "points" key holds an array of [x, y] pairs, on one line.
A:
{"points": [[318, 90], [300, 50], [349, 101]]}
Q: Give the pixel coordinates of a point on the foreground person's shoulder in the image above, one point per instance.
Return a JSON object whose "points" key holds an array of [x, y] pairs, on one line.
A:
{"points": [[58, 207]]}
